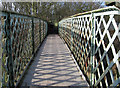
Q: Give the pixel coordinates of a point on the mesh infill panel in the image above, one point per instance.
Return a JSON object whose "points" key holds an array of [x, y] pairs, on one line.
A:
{"points": [[20, 37], [94, 40]]}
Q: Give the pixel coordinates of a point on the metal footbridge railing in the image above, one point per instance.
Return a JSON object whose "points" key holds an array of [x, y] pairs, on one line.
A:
{"points": [[20, 37], [94, 39]]}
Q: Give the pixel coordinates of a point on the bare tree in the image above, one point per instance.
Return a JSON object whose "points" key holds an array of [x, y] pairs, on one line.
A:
{"points": [[51, 11]]}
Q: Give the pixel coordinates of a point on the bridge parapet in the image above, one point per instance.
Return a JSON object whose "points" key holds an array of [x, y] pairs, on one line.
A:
{"points": [[20, 37], [94, 39]]}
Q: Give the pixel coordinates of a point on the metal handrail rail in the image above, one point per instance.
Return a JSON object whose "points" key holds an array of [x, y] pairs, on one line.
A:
{"points": [[110, 8]]}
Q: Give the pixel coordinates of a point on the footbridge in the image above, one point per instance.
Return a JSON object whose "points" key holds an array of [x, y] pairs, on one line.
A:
{"points": [[84, 53]]}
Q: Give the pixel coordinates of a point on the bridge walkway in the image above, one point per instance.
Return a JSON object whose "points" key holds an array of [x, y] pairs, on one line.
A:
{"points": [[54, 66]]}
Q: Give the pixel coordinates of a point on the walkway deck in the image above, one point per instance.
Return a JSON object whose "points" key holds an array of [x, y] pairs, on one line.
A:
{"points": [[53, 66]]}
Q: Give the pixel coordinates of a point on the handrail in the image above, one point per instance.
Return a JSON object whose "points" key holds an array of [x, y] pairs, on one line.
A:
{"points": [[93, 38], [110, 8], [13, 12]]}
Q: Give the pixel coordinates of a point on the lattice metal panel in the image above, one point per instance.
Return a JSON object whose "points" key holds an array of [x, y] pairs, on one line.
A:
{"points": [[45, 29], [80, 41], [36, 33], [42, 31], [21, 37], [68, 33], [4, 76], [19, 40], [107, 49], [76, 34], [95, 41]]}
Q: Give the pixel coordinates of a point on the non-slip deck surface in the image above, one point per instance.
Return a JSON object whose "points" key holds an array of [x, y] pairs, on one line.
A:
{"points": [[53, 66]]}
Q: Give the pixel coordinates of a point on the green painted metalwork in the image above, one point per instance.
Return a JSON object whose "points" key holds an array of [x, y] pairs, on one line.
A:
{"points": [[40, 29], [33, 48], [36, 34], [95, 40], [9, 52], [43, 29], [5, 79], [19, 41]]}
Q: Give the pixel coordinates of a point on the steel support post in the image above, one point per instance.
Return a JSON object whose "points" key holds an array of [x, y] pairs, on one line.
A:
{"points": [[33, 50], [92, 48], [9, 50], [72, 34], [40, 30], [43, 30]]}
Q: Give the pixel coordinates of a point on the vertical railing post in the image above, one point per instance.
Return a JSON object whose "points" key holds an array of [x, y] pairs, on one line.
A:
{"points": [[72, 34], [9, 50], [33, 36], [65, 30], [58, 28], [46, 28], [43, 30], [92, 48], [40, 30], [62, 29]]}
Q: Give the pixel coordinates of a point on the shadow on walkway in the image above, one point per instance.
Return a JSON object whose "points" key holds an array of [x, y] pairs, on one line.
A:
{"points": [[53, 66]]}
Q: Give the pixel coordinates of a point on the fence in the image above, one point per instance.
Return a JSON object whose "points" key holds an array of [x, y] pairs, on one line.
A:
{"points": [[94, 39], [20, 37]]}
